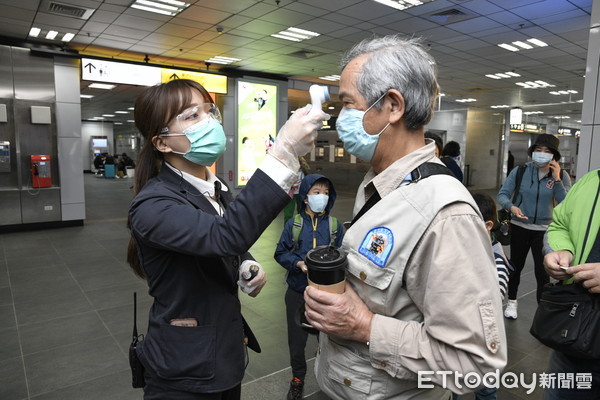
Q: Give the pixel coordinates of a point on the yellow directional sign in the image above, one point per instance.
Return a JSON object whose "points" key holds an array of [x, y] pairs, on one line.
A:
{"points": [[212, 83]]}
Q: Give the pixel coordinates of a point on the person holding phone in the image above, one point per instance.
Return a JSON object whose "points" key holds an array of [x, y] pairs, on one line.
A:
{"points": [[543, 184]]}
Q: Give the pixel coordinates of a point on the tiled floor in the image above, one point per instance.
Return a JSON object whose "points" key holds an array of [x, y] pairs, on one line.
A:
{"points": [[66, 309]]}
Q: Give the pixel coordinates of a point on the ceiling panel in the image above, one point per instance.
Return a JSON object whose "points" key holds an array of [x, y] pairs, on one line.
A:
{"points": [[465, 50]]}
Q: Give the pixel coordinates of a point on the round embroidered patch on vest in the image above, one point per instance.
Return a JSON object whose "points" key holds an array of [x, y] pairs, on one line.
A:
{"points": [[377, 245]]}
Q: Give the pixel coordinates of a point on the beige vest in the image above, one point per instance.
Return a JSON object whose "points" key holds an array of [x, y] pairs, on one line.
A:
{"points": [[378, 247]]}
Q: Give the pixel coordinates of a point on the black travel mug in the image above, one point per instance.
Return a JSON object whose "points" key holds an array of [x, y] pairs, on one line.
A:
{"points": [[327, 269]]}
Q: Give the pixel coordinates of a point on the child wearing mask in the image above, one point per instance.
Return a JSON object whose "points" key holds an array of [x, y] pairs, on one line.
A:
{"points": [[311, 227]]}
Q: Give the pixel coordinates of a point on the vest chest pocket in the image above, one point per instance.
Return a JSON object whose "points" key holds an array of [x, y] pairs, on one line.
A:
{"points": [[369, 273]]}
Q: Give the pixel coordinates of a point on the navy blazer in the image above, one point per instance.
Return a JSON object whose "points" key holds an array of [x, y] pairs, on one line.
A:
{"points": [[191, 257]]}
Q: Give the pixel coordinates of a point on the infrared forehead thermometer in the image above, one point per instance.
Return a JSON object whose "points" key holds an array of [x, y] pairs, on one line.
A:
{"points": [[318, 95]]}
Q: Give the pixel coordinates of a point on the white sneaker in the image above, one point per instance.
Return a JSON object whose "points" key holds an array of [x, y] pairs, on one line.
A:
{"points": [[510, 311]]}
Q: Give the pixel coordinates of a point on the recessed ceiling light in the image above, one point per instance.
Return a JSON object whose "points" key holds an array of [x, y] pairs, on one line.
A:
{"points": [[34, 32], [508, 47], [403, 4], [117, 123], [501, 106], [101, 86], [537, 42], [51, 35], [121, 112], [130, 120], [295, 34], [131, 108], [108, 115], [522, 45], [469, 100], [67, 37], [86, 96], [330, 78], [222, 60], [164, 7]]}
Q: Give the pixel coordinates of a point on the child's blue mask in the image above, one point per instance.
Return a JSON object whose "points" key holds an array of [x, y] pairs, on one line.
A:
{"points": [[318, 202]]}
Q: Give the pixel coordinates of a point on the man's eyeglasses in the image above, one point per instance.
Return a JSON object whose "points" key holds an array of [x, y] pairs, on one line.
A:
{"points": [[193, 115]]}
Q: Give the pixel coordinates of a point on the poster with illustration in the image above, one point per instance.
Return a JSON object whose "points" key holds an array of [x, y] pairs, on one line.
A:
{"points": [[257, 126]]}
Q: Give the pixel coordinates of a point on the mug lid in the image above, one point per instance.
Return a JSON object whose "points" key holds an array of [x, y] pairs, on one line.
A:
{"points": [[325, 256]]}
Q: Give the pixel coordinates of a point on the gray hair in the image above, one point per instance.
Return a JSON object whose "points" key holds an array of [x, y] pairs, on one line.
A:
{"points": [[402, 64]]}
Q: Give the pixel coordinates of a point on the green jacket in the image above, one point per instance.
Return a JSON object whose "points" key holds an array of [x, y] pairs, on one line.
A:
{"points": [[574, 227]]}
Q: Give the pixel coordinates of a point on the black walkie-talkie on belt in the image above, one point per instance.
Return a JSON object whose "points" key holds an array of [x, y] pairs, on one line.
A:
{"points": [[137, 369]]}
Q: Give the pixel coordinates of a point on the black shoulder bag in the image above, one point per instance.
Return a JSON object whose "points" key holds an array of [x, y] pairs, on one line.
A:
{"points": [[137, 369], [502, 230], [568, 316]]}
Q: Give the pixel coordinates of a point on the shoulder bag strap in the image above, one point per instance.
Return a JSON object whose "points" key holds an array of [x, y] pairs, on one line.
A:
{"points": [[421, 172]]}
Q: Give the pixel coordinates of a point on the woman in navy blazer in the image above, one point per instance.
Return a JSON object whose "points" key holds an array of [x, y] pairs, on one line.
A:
{"points": [[189, 239]]}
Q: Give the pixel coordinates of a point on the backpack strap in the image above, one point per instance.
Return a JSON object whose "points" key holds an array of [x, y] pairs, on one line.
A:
{"points": [[296, 229], [518, 181], [333, 230]]}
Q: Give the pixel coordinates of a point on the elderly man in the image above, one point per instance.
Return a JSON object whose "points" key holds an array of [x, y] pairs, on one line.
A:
{"points": [[425, 309]]}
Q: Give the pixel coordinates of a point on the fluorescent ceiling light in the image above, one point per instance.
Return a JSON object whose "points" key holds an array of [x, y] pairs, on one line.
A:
{"points": [[121, 112], [67, 37], [522, 45], [512, 73], [330, 78], [403, 4], [51, 35], [130, 120], [508, 47], [295, 34], [537, 42], [275, 35], [118, 123], [533, 112], [534, 85], [501, 106], [469, 100], [34, 32], [101, 86], [164, 7], [222, 60], [86, 96], [131, 108], [108, 115]]}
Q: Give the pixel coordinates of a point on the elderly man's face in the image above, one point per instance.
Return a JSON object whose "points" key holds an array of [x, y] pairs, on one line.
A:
{"points": [[373, 120]]}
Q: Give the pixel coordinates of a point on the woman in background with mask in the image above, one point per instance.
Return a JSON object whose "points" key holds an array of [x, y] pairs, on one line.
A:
{"points": [[189, 239], [543, 185]]}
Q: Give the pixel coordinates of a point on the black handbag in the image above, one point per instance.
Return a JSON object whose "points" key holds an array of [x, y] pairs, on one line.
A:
{"points": [[568, 320], [501, 230]]}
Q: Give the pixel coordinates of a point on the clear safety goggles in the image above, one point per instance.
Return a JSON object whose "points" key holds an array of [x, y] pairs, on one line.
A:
{"points": [[191, 116]]}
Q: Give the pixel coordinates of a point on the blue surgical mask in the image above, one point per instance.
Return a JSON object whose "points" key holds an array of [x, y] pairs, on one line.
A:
{"points": [[352, 132], [541, 158], [318, 202], [207, 141]]}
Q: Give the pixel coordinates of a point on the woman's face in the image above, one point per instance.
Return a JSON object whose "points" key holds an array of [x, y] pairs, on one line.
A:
{"points": [[542, 149], [193, 113]]}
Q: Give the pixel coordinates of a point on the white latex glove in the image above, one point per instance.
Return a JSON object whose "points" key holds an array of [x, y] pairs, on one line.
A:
{"points": [[251, 286], [297, 136]]}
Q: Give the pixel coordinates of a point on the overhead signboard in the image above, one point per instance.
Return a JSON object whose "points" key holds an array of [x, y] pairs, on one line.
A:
{"points": [[145, 75], [211, 82]]}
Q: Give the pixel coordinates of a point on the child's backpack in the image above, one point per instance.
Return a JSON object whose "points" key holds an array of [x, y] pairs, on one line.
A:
{"points": [[297, 228]]}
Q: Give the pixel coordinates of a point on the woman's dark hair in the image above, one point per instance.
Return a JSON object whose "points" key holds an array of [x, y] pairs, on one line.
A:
{"points": [[154, 109], [451, 149], [487, 206]]}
